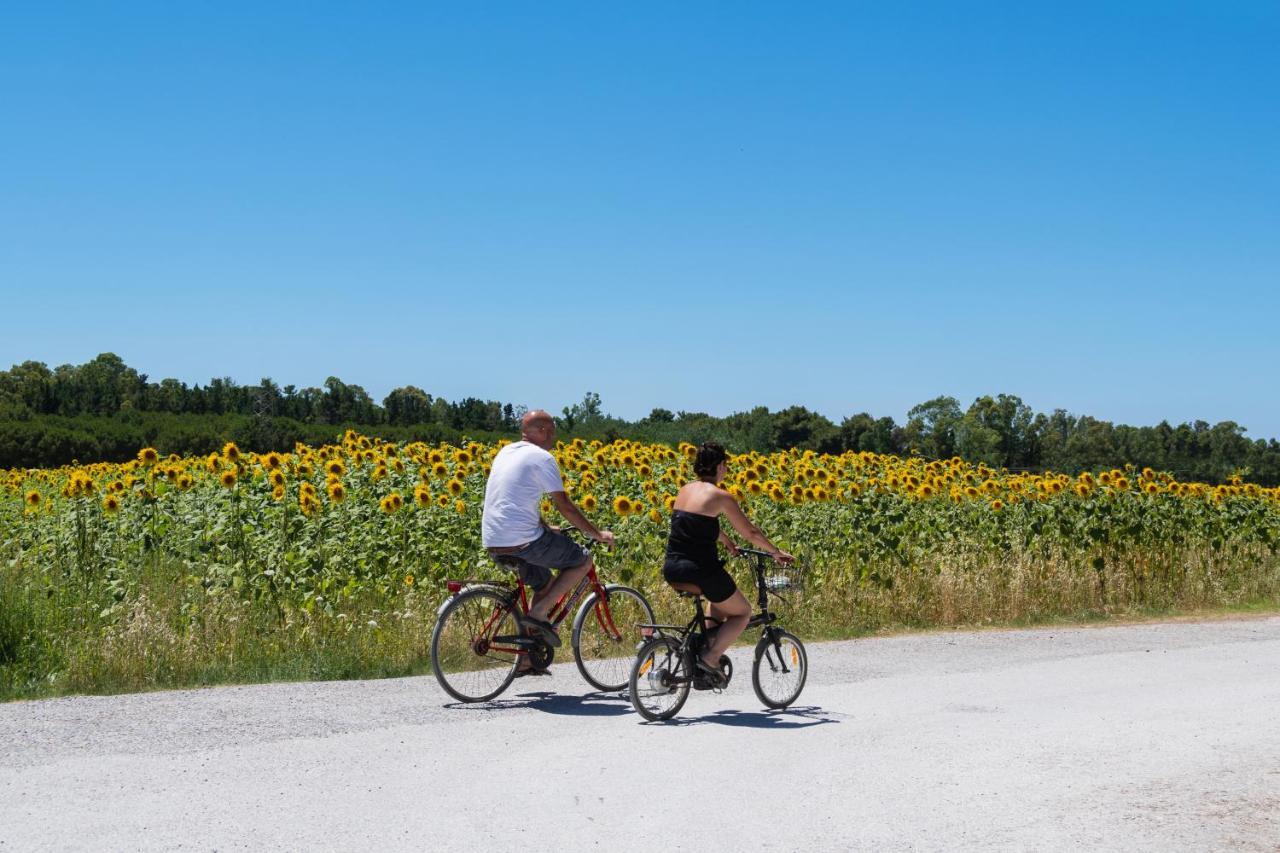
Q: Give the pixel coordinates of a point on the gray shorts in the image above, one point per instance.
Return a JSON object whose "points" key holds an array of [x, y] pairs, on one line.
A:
{"points": [[534, 562]]}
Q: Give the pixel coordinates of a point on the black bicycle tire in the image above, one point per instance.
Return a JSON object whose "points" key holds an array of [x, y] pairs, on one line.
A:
{"points": [[633, 681], [587, 611], [762, 646], [451, 607]]}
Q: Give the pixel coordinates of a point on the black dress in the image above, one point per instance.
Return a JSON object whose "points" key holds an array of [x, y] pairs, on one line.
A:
{"points": [[692, 556]]}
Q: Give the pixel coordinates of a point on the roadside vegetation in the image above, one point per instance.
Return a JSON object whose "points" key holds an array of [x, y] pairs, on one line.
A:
{"points": [[328, 561]]}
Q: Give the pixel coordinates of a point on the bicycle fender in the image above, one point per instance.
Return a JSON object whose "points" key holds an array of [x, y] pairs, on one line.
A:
{"points": [[449, 599]]}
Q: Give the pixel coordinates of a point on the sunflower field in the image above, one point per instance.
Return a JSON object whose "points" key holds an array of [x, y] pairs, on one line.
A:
{"points": [[329, 561]]}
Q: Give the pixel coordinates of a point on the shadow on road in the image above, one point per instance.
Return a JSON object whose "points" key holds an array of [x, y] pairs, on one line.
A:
{"points": [[788, 718], [617, 705], [590, 705]]}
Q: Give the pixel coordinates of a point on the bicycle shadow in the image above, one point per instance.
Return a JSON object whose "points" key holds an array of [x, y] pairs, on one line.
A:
{"points": [[786, 718], [589, 705]]}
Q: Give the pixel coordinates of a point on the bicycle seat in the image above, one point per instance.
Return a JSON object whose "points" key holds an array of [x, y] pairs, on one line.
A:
{"points": [[687, 590]]}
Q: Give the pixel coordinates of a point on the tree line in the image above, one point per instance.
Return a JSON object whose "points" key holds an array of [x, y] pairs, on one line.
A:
{"points": [[105, 410]]}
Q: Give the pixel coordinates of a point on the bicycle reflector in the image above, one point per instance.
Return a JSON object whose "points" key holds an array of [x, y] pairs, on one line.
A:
{"points": [[454, 586]]}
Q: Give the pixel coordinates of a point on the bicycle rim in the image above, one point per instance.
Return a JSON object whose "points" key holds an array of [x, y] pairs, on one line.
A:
{"points": [[779, 672], [605, 636], [653, 694], [467, 663]]}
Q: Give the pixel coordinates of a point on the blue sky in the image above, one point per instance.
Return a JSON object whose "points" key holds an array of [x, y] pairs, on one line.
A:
{"points": [[853, 207]]}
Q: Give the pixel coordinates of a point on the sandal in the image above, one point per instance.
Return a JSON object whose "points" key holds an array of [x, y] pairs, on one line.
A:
{"points": [[545, 629], [709, 677]]}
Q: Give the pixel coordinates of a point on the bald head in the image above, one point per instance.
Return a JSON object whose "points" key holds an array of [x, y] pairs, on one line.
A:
{"points": [[538, 427]]}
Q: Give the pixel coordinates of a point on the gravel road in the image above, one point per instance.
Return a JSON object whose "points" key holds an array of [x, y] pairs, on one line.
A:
{"points": [[1143, 737]]}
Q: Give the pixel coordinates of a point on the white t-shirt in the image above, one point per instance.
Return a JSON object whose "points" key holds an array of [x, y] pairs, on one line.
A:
{"points": [[520, 475]]}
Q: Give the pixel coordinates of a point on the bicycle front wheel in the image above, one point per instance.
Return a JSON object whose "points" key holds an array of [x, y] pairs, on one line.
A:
{"points": [[780, 668], [659, 679], [471, 652], [606, 636]]}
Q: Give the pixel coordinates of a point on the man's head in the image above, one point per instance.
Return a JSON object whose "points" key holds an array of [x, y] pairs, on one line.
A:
{"points": [[538, 427]]}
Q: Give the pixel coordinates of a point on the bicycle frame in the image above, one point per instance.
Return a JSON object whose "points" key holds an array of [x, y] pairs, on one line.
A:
{"points": [[559, 611], [698, 625]]}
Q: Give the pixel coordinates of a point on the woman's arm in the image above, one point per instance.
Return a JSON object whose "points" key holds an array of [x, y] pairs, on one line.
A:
{"points": [[728, 543]]}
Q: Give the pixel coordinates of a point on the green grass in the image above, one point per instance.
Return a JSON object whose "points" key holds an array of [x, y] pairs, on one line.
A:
{"points": [[61, 636]]}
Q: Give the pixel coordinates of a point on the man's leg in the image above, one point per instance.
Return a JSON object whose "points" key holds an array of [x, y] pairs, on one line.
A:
{"points": [[544, 598]]}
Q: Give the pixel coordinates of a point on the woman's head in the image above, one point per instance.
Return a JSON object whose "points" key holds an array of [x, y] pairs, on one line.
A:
{"points": [[706, 465]]}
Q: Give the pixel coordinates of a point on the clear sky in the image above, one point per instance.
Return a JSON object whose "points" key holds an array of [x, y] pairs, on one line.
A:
{"points": [[700, 206]]}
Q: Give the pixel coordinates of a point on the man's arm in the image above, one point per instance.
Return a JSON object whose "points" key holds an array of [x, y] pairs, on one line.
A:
{"points": [[575, 517]]}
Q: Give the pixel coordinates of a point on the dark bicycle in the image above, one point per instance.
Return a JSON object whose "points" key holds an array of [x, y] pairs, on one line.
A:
{"points": [[666, 667]]}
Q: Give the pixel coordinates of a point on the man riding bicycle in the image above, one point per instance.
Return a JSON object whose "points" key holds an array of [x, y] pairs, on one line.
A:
{"points": [[512, 528]]}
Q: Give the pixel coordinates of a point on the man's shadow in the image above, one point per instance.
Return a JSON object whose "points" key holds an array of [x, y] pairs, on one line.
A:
{"points": [[785, 718], [590, 705]]}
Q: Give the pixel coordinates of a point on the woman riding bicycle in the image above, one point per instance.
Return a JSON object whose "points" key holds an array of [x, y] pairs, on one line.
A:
{"points": [[691, 550]]}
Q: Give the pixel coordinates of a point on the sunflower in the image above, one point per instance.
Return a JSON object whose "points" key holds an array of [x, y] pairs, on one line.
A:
{"points": [[460, 505], [442, 501], [589, 503], [185, 482], [1152, 489], [227, 478], [387, 505], [408, 580], [997, 505], [230, 452], [622, 505], [148, 456], [455, 487], [277, 493], [335, 467], [276, 478], [272, 461], [33, 498], [111, 503], [655, 516], [379, 472]]}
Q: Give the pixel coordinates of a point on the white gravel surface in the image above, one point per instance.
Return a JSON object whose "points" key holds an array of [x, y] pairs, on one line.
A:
{"points": [[1146, 737]]}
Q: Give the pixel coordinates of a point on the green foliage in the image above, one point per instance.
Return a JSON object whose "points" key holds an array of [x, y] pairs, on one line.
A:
{"points": [[105, 410]]}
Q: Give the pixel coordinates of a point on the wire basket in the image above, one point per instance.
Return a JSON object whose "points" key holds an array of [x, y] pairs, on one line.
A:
{"points": [[784, 578]]}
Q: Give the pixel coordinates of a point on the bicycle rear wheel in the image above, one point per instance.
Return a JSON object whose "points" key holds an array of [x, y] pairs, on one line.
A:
{"points": [[468, 663], [605, 635], [780, 668], [659, 680]]}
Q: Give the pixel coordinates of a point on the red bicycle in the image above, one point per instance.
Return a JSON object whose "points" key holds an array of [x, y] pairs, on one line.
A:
{"points": [[481, 633]]}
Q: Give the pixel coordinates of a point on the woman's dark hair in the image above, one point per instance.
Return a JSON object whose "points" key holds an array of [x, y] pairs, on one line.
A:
{"points": [[709, 457]]}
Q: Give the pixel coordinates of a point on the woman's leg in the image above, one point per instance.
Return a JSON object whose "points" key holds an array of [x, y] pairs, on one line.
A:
{"points": [[734, 613]]}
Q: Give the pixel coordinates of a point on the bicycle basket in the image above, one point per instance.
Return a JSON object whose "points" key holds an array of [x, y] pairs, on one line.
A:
{"points": [[784, 578]]}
